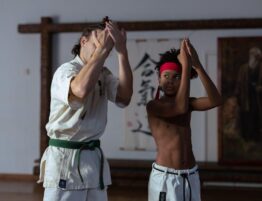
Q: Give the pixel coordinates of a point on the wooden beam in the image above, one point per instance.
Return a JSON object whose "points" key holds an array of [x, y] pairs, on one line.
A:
{"points": [[125, 173], [46, 77], [251, 23]]}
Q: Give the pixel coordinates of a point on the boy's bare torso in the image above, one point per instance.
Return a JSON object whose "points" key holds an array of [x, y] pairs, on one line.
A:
{"points": [[173, 140]]}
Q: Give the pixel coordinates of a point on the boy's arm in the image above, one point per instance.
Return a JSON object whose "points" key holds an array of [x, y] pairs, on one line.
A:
{"points": [[213, 98], [182, 96], [181, 102]]}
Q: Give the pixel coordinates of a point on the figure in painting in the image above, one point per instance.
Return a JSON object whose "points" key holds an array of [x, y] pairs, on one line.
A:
{"points": [[248, 92]]}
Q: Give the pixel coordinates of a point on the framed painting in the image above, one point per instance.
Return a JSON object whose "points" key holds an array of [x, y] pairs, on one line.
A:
{"points": [[240, 117]]}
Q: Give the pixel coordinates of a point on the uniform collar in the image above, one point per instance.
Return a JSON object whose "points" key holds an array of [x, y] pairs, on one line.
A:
{"points": [[78, 60]]}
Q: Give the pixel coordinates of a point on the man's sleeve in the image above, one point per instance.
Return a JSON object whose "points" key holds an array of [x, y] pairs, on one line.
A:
{"points": [[60, 88], [111, 83]]}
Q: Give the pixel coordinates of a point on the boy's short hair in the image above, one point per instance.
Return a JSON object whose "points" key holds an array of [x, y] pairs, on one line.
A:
{"points": [[172, 56]]}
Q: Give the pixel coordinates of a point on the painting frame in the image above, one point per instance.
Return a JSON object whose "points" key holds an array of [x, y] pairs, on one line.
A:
{"points": [[239, 132]]}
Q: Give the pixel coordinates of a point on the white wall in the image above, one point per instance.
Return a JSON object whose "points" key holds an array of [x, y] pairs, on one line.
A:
{"points": [[20, 62]]}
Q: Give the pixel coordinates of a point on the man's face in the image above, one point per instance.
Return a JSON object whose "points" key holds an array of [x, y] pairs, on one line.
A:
{"points": [[94, 39], [89, 43], [103, 38]]}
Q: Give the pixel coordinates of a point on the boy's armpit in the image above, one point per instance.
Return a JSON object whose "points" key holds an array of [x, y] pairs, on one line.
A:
{"points": [[150, 106], [191, 100]]}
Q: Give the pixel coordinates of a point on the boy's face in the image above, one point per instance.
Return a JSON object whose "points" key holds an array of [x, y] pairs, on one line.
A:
{"points": [[169, 82]]}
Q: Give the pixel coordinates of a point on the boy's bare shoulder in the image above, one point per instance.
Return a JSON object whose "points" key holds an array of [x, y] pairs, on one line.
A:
{"points": [[153, 106], [151, 103]]}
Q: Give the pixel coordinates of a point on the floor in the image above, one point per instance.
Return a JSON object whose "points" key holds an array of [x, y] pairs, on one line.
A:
{"points": [[29, 191]]}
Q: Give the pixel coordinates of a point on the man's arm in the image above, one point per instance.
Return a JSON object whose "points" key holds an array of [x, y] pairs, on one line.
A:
{"points": [[125, 87], [86, 79]]}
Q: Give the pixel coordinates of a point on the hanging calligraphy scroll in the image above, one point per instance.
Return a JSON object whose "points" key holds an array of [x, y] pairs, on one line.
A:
{"points": [[143, 56]]}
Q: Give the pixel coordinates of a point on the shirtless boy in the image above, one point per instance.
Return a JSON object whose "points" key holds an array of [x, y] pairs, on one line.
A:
{"points": [[174, 175]]}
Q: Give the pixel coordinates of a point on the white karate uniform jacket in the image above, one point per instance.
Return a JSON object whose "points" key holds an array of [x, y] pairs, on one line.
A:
{"points": [[76, 122]]}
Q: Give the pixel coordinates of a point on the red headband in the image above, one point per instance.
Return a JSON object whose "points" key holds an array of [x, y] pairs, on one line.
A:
{"points": [[170, 66]]}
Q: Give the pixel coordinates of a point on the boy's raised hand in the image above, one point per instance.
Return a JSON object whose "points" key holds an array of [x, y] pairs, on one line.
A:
{"points": [[184, 57], [193, 54]]}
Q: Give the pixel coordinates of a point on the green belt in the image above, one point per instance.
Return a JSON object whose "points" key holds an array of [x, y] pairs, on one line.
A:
{"points": [[91, 145]]}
